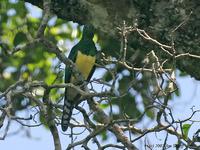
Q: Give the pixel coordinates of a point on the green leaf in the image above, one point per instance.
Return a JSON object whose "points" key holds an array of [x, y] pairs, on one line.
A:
{"points": [[104, 106], [104, 136], [183, 74], [124, 84], [43, 120], [20, 37], [150, 114], [50, 79], [177, 92], [185, 129]]}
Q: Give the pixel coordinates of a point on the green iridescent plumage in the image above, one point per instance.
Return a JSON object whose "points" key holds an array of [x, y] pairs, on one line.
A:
{"points": [[83, 55]]}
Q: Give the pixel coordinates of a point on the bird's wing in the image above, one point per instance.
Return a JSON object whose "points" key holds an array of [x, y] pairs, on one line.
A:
{"points": [[68, 105], [72, 57]]}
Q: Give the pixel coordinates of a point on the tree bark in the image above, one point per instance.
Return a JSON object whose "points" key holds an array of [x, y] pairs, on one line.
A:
{"points": [[162, 19]]}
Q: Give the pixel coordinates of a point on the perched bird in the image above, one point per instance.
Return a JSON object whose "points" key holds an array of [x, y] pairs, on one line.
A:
{"points": [[83, 55]]}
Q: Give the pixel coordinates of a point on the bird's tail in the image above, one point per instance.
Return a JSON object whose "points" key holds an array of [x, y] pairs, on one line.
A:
{"points": [[67, 113]]}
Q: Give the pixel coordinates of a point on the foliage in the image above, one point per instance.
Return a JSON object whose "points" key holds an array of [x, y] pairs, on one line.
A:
{"points": [[33, 72]]}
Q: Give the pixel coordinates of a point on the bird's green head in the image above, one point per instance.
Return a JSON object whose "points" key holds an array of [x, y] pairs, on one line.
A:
{"points": [[88, 32]]}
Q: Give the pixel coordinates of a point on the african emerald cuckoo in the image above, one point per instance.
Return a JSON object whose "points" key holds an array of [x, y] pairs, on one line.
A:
{"points": [[83, 55]]}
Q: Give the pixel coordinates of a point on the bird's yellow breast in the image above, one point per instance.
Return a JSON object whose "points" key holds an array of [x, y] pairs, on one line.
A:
{"points": [[84, 64]]}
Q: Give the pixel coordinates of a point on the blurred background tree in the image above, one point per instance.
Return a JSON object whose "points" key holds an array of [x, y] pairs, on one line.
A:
{"points": [[143, 46]]}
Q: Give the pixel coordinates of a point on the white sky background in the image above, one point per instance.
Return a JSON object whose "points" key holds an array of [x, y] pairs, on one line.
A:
{"points": [[41, 138]]}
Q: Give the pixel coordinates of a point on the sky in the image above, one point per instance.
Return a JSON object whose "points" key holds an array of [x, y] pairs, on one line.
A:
{"points": [[41, 139]]}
